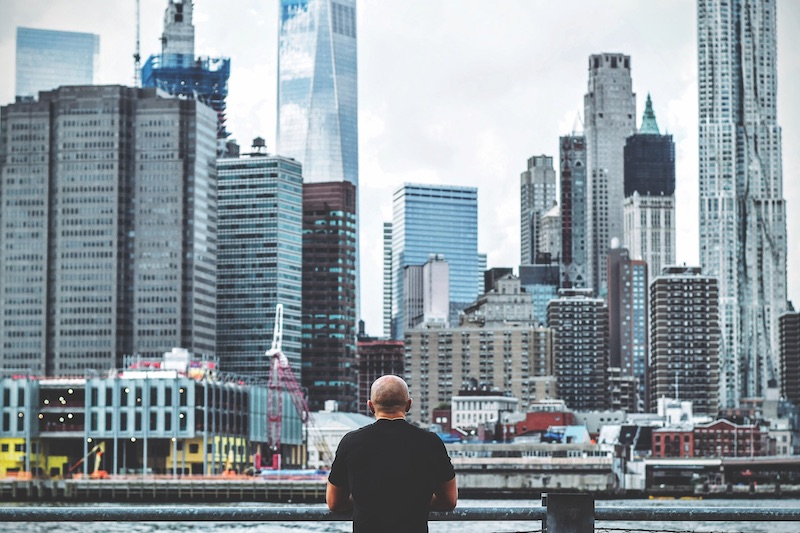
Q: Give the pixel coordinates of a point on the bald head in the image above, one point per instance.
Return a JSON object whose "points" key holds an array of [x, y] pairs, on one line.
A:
{"points": [[389, 395]]}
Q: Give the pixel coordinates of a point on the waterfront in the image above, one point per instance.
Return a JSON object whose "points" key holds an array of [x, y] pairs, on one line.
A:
{"points": [[440, 526]]}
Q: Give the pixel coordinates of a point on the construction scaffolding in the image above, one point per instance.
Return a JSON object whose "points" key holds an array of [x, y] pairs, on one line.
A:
{"points": [[202, 78]]}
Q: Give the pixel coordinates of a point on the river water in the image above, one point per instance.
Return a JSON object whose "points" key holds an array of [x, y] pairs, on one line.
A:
{"points": [[441, 527]]}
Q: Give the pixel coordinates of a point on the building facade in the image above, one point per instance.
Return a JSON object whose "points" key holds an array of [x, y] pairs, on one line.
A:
{"points": [[48, 59], [684, 339], [649, 207], [177, 71], [259, 259], [109, 231], [580, 349], [574, 212], [742, 209], [537, 195], [435, 219], [329, 294], [376, 358], [789, 327], [318, 88], [609, 115], [387, 279], [628, 319]]}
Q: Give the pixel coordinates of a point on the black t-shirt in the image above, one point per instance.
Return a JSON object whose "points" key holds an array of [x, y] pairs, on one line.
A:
{"points": [[391, 469]]}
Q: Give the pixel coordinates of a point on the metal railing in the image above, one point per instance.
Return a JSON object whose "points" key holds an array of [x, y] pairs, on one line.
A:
{"points": [[573, 513]]}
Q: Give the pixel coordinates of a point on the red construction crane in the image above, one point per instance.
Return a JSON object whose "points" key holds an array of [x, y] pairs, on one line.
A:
{"points": [[281, 377]]}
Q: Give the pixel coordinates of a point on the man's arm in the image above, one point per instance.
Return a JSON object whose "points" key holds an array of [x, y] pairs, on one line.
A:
{"points": [[338, 498], [445, 496]]}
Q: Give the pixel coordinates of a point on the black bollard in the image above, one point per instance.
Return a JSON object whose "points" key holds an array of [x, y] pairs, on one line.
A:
{"points": [[569, 513]]}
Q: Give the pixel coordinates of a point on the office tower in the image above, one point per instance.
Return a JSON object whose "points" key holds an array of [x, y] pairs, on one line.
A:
{"points": [[496, 345], [108, 244], [435, 219], [609, 114], [483, 264], [48, 59], [329, 294], [742, 210], [542, 283], [649, 207], [627, 319], [574, 212], [427, 292], [387, 279], [177, 71], [376, 358], [537, 195], [684, 339], [259, 259], [789, 328], [318, 88], [580, 349]]}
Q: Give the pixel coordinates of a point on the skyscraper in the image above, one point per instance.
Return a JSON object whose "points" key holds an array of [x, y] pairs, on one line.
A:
{"points": [[387, 279], [47, 59], [575, 262], [580, 349], [627, 318], [259, 260], [108, 243], [649, 207], [537, 196], [177, 71], [742, 209], [789, 327], [435, 219], [684, 339], [318, 88], [609, 114], [329, 294]]}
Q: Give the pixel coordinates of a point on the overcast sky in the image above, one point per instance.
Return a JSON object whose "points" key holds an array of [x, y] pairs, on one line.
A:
{"points": [[458, 92]]}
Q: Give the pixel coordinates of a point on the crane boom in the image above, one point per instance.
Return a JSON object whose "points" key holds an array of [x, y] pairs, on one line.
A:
{"points": [[282, 378]]}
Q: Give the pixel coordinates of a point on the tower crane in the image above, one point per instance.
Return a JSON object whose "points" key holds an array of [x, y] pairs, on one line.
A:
{"points": [[281, 377]]}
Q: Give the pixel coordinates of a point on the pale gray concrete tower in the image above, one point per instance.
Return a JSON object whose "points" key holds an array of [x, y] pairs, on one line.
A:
{"points": [[178, 36], [609, 119], [742, 210], [537, 195]]}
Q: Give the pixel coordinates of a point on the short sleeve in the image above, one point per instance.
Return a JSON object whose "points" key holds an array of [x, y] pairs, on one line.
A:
{"points": [[338, 475], [443, 467]]}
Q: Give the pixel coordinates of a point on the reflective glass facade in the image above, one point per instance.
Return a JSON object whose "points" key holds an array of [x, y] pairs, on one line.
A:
{"points": [[259, 261], [435, 219], [317, 88], [329, 295], [47, 59]]}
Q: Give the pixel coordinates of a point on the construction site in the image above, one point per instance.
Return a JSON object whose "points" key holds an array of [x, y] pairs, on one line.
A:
{"points": [[172, 417]]}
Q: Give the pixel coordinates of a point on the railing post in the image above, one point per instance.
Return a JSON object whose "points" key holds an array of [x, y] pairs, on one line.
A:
{"points": [[569, 513]]}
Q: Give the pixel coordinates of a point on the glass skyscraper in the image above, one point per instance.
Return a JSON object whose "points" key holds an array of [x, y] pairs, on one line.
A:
{"points": [[47, 59], [435, 219], [742, 210], [318, 89], [259, 261]]}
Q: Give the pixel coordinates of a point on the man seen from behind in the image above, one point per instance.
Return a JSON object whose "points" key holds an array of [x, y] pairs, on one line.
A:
{"points": [[391, 473]]}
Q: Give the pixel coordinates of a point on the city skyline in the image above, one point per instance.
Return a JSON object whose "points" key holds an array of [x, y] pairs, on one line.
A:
{"points": [[458, 106]]}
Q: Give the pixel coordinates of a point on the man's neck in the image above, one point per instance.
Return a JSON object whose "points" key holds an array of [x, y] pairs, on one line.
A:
{"points": [[390, 416]]}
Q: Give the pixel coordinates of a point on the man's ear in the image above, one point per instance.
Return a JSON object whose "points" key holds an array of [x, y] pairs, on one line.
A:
{"points": [[370, 407], [408, 405]]}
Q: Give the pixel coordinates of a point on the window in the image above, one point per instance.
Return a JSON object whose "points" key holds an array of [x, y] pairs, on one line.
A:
{"points": [[194, 448]]}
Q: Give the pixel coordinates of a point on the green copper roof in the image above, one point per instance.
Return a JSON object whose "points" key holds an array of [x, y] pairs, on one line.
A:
{"points": [[649, 124]]}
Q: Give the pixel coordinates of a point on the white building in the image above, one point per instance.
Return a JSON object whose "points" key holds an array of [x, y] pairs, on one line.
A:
{"points": [[326, 432], [742, 209], [472, 411]]}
